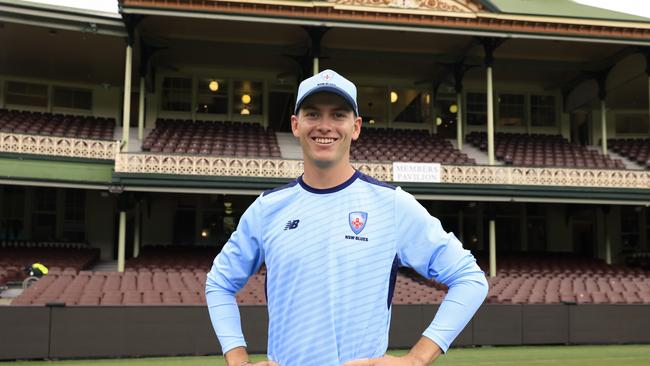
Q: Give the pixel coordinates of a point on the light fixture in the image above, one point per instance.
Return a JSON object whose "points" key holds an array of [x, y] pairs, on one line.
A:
{"points": [[227, 204], [393, 96], [372, 121], [438, 121], [453, 108], [204, 233], [245, 112], [228, 211], [214, 85], [246, 98], [427, 98]]}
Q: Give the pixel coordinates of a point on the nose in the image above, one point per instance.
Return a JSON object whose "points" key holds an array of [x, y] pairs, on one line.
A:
{"points": [[324, 125]]}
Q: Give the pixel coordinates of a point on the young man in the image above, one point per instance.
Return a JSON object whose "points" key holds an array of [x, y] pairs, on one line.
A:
{"points": [[332, 241]]}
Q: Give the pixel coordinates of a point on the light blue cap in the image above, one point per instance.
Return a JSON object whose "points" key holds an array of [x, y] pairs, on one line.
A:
{"points": [[331, 82]]}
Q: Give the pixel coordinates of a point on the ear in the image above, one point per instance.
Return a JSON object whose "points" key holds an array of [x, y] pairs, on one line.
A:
{"points": [[294, 125], [357, 128]]}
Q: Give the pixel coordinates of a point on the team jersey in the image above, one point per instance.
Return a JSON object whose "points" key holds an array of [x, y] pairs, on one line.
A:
{"points": [[331, 258]]}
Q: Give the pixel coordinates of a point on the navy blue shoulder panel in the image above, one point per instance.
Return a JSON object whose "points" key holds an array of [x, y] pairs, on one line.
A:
{"points": [[276, 189], [371, 180]]}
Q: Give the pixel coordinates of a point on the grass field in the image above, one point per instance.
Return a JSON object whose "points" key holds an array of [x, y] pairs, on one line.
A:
{"points": [[629, 355]]}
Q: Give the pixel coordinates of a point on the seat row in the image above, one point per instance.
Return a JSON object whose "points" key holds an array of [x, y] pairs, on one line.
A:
{"points": [[58, 125]]}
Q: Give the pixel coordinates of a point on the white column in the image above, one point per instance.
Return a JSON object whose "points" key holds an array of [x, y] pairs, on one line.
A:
{"points": [[141, 110], [493, 248], [490, 117], [136, 232], [126, 111], [459, 121], [316, 65], [121, 244], [603, 125]]}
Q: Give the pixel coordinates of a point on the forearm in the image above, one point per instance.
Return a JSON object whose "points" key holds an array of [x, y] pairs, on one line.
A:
{"points": [[224, 314], [236, 356], [425, 351], [457, 309]]}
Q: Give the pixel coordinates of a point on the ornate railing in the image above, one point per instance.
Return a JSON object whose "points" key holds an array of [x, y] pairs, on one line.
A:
{"points": [[461, 174], [58, 146]]}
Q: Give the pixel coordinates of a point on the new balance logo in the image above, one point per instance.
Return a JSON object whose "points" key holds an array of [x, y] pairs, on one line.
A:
{"points": [[292, 224]]}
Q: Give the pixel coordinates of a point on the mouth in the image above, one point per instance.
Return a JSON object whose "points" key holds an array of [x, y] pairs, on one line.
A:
{"points": [[324, 140]]}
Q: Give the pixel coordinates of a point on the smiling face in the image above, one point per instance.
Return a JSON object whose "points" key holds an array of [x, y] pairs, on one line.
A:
{"points": [[326, 126]]}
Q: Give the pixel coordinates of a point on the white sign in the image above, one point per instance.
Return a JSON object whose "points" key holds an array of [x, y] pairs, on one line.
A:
{"points": [[416, 172]]}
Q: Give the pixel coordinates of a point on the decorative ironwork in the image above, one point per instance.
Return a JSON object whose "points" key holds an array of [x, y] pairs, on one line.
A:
{"points": [[461, 174], [438, 5], [57, 146]]}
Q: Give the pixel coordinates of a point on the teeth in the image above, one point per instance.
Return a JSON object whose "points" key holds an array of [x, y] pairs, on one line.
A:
{"points": [[324, 140]]}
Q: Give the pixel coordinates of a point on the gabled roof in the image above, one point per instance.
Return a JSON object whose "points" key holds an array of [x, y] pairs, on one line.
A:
{"points": [[560, 8]]}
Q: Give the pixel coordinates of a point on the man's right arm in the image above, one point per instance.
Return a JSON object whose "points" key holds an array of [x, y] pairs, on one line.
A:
{"points": [[239, 259]]}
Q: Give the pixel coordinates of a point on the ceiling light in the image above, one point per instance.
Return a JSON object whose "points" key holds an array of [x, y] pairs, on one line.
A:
{"points": [[372, 121], [393, 97], [214, 85], [204, 233], [427, 98], [246, 98], [453, 108], [438, 121], [245, 112]]}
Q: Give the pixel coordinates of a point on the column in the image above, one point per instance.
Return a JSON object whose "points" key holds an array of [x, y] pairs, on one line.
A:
{"points": [[141, 110], [490, 117], [315, 65], [493, 248], [459, 121], [126, 111], [121, 244], [603, 125]]}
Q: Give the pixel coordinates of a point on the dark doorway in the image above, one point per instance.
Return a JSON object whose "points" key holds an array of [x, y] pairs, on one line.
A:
{"points": [[281, 106], [580, 127], [446, 118], [184, 226], [583, 237]]}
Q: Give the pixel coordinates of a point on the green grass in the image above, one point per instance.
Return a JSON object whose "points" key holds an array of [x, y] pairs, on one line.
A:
{"points": [[629, 355]]}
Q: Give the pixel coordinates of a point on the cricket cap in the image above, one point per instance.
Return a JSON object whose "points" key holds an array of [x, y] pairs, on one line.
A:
{"points": [[328, 81]]}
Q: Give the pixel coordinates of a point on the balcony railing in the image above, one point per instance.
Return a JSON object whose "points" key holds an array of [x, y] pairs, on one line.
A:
{"points": [[58, 146], [460, 174]]}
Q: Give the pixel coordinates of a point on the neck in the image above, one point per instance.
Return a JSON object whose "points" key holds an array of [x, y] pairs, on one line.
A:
{"points": [[329, 177]]}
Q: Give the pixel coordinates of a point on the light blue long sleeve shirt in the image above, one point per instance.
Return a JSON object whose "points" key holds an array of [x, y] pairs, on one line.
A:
{"points": [[331, 257]]}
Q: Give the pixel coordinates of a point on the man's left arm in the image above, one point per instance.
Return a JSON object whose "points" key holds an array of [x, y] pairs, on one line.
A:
{"points": [[435, 254]]}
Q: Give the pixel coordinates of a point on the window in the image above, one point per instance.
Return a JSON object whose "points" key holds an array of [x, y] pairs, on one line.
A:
{"points": [[13, 210], [44, 214], [74, 216], [410, 105], [542, 110], [372, 104], [177, 94], [72, 98], [247, 98], [630, 227], [476, 109], [632, 123], [212, 96], [27, 94], [512, 110]]}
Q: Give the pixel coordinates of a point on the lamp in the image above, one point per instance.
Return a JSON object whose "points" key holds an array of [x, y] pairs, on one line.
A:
{"points": [[245, 112], [393, 96], [246, 98], [204, 233], [213, 85], [438, 121], [453, 108]]}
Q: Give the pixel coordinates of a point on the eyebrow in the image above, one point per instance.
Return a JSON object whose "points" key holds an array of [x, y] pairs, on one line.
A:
{"points": [[340, 108]]}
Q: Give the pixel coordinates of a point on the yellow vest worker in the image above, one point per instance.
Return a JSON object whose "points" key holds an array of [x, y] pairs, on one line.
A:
{"points": [[38, 270]]}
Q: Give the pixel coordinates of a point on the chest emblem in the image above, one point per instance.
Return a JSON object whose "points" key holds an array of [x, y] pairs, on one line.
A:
{"points": [[358, 221]]}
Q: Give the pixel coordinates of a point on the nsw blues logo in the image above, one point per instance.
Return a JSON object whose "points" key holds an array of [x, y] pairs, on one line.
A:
{"points": [[358, 221]]}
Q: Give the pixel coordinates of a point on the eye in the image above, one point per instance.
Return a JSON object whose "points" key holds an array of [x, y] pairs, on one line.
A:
{"points": [[340, 115], [311, 114]]}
